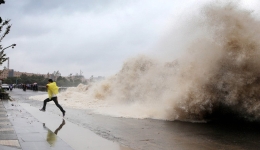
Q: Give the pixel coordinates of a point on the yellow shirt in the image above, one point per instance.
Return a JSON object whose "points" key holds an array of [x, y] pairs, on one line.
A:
{"points": [[53, 89]]}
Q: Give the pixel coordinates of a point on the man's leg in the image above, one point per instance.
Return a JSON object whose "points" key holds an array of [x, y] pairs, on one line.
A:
{"points": [[45, 102], [55, 99]]}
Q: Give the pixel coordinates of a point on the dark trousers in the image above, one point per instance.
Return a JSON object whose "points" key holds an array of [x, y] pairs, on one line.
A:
{"points": [[55, 99]]}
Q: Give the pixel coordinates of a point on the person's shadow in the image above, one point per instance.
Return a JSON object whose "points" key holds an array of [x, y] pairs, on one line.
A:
{"points": [[52, 136]]}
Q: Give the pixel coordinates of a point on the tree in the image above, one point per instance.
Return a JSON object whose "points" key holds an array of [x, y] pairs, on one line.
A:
{"points": [[1, 2], [55, 75], [7, 27], [4, 30]]}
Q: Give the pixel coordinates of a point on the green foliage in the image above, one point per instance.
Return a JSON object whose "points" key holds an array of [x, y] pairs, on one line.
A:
{"points": [[6, 27], [2, 2], [41, 80], [4, 30]]}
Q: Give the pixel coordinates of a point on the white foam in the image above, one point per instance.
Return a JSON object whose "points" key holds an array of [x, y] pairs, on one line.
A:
{"points": [[220, 67]]}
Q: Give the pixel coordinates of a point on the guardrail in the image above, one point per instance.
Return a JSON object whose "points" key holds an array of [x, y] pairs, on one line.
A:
{"points": [[44, 89]]}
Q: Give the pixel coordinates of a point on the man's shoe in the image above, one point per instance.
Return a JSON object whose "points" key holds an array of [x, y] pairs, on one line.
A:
{"points": [[63, 113], [42, 110]]}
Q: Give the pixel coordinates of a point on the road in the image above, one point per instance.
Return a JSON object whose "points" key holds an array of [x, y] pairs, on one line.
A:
{"points": [[146, 134]]}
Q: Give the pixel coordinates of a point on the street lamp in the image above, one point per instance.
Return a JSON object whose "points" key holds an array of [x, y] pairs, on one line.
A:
{"points": [[2, 53], [13, 45]]}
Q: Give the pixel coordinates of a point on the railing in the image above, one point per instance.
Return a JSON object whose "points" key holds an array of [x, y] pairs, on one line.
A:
{"points": [[43, 88]]}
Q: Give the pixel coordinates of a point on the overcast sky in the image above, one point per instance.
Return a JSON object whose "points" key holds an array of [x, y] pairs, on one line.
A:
{"points": [[94, 36]]}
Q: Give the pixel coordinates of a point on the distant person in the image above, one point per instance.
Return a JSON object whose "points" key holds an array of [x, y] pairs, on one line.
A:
{"points": [[33, 87], [10, 87], [24, 87], [53, 90]]}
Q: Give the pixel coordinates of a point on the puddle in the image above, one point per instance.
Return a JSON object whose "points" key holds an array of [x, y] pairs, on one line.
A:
{"points": [[77, 137]]}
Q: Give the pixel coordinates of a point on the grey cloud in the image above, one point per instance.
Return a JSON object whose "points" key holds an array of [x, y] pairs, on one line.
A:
{"points": [[95, 36]]}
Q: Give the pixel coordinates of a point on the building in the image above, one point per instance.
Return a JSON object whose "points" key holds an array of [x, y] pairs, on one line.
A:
{"points": [[11, 73], [95, 79]]}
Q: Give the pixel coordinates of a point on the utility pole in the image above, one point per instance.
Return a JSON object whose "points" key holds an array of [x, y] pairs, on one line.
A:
{"points": [[8, 59]]}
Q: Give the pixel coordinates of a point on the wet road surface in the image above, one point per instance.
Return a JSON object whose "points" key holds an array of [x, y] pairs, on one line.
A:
{"points": [[141, 134], [77, 137]]}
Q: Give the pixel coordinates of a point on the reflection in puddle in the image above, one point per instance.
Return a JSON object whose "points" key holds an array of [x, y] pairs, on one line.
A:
{"points": [[61, 125], [52, 137]]}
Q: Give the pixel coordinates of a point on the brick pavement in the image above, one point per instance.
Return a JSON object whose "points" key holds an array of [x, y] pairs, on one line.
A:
{"points": [[20, 130]]}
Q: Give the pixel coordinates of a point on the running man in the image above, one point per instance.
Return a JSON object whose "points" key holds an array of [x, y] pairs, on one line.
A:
{"points": [[53, 90]]}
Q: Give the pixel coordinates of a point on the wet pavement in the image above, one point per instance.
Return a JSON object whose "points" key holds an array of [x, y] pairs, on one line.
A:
{"points": [[78, 137], [20, 130], [83, 129], [8, 138]]}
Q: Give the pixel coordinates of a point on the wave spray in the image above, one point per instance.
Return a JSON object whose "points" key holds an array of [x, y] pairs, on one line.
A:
{"points": [[219, 73]]}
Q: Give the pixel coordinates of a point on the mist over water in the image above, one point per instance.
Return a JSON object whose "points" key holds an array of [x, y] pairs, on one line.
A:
{"points": [[219, 73]]}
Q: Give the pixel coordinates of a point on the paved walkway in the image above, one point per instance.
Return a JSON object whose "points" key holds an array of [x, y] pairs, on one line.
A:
{"points": [[20, 130]]}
